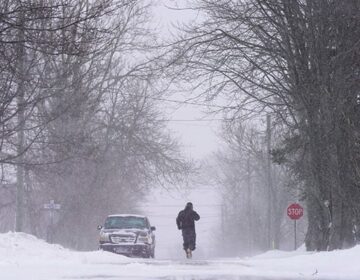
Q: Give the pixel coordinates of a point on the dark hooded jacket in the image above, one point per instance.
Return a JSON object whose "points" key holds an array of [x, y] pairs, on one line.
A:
{"points": [[187, 217]]}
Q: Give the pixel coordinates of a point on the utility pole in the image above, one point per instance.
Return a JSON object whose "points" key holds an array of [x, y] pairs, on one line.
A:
{"points": [[269, 181], [19, 219], [52, 208], [249, 204], [223, 223]]}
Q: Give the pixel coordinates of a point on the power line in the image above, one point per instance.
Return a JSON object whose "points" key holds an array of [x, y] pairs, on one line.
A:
{"points": [[173, 225], [192, 103], [222, 107], [194, 120], [177, 101], [174, 216], [182, 205]]}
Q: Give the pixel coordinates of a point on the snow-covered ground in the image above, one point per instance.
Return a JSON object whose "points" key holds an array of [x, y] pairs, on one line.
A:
{"points": [[24, 257]]}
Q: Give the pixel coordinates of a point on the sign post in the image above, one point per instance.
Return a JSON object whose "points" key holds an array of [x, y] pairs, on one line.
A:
{"points": [[295, 212], [51, 207]]}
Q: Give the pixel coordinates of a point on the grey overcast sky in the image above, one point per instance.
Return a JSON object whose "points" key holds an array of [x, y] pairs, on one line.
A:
{"points": [[197, 136]]}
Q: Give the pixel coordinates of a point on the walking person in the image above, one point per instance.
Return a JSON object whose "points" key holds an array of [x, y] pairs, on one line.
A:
{"points": [[186, 222]]}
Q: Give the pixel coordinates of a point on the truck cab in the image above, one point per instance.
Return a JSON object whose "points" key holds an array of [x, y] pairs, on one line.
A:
{"points": [[129, 235]]}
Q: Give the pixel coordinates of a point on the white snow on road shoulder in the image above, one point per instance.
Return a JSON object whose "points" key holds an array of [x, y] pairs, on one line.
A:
{"points": [[24, 257], [338, 264]]}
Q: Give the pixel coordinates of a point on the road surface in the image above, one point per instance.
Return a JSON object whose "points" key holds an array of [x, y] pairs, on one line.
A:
{"points": [[138, 269], [25, 257]]}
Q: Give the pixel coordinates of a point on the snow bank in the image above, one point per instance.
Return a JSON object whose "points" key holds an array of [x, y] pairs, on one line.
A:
{"points": [[338, 264], [22, 247], [24, 257], [25, 248]]}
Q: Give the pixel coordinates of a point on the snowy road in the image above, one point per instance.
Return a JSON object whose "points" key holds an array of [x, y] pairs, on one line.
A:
{"points": [[90, 266], [24, 257], [169, 270]]}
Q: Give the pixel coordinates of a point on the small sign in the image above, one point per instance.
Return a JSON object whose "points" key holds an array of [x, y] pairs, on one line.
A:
{"points": [[295, 211], [52, 205]]}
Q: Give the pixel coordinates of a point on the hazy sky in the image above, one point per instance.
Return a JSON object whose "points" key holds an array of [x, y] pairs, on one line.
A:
{"points": [[198, 138]]}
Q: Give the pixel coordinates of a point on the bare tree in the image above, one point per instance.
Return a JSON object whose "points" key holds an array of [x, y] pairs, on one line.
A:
{"points": [[30, 30], [299, 60], [94, 139], [240, 170]]}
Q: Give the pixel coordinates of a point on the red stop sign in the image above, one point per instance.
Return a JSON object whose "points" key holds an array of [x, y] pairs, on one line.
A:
{"points": [[295, 211]]}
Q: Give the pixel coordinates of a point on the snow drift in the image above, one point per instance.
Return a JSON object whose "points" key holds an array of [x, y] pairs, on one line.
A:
{"points": [[25, 257]]}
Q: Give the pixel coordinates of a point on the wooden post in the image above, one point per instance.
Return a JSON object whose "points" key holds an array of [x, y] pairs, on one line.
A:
{"points": [[295, 241], [19, 218], [269, 181]]}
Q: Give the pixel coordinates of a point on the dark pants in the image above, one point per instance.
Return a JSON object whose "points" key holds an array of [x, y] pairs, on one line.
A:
{"points": [[189, 237]]}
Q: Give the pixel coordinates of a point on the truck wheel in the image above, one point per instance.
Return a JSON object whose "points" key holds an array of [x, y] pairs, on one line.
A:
{"points": [[146, 256]]}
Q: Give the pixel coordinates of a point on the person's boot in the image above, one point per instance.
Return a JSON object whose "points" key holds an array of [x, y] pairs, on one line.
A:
{"points": [[188, 253]]}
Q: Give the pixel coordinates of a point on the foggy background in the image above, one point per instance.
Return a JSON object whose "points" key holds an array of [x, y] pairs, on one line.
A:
{"points": [[241, 107], [126, 140], [198, 140], [199, 130]]}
